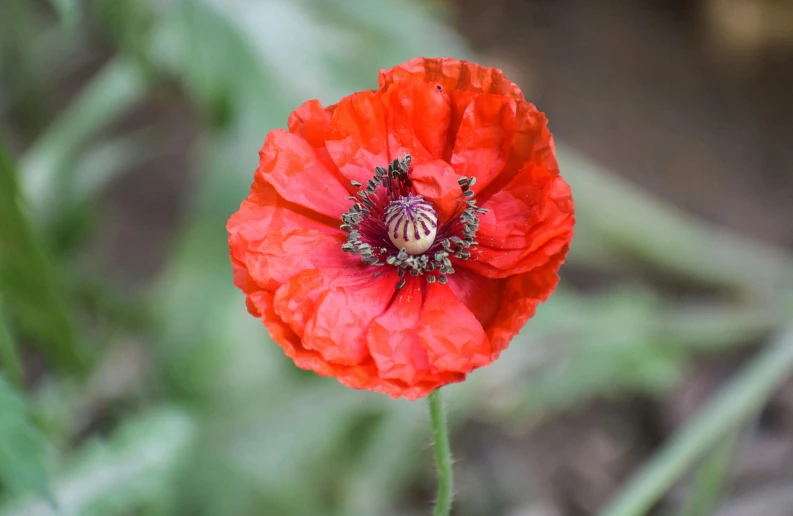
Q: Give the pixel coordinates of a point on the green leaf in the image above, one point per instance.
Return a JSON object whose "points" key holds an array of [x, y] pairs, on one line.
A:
{"points": [[743, 397], [710, 478], [28, 280], [134, 468], [22, 446], [9, 357]]}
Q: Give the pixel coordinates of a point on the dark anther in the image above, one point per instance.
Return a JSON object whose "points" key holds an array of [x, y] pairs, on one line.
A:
{"points": [[371, 237]]}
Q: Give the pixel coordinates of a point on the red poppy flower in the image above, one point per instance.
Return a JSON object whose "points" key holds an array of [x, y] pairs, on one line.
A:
{"points": [[399, 239]]}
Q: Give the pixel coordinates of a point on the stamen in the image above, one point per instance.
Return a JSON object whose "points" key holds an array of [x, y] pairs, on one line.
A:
{"points": [[388, 224]]}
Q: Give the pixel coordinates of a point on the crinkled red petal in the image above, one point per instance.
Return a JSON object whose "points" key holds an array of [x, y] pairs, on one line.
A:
{"points": [[452, 335], [417, 120], [437, 182], [337, 317], [521, 296], [528, 221], [311, 122], [484, 138], [357, 139], [361, 376], [299, 174], [451, 74], [271, 240], [394, 342]]}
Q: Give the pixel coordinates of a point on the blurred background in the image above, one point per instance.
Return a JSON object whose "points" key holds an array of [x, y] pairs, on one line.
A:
{"points": [[135, 383]]}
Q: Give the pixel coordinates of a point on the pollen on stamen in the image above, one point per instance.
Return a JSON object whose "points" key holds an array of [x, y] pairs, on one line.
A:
{"points": [[389, 225], [412, 224]]}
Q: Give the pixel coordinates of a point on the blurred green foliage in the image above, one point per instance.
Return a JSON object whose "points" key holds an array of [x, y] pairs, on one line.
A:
{"points": [[28, 280], [217, 421], [22, 465]]}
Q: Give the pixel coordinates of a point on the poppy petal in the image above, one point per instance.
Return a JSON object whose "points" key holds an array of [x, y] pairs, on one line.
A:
{"points": [[331, 310], [284, 253], [362, 376], [527, 222], [393, 337], [295, 301], [262, 214], [357, 140], [295, 169], [437, 182], [451, 334], [484, 138], [522, 294], [481, 295], [311, 122], [452, 74], [532, 146], [417, 121], [343, 315]]}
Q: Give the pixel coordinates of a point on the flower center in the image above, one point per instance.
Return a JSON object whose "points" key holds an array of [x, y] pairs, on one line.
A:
{"points": [[388, 224], [412, 224]]}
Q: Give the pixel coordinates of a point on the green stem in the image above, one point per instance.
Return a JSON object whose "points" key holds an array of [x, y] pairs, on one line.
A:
{"points": [[443, 455], [740, 399], [712, 476]]}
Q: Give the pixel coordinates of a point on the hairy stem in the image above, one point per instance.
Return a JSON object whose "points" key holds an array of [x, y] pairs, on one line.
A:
{"points": [[443, 455]]}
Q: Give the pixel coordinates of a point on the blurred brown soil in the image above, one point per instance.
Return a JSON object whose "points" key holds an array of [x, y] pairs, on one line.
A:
{"points": [[692, 101]]}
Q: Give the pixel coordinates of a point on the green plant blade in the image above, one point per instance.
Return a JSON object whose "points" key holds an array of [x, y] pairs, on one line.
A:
{"points": [[28, 278], [736, 402], [22, 446], [710, 478], [9, 357]]}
